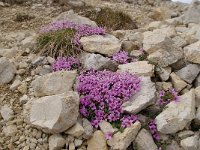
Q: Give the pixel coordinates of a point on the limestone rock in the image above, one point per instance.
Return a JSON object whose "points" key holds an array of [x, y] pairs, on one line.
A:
{"points": [[71, 16], [185, 134], [56, 141], [177, 82], [190, 143], [30, 42], [179, 41], [192, 52], [54, 83], [97, 142], [177, 114], [106, 127], [106, 45], [121, 141], [7, 71], [53, 114], [97, 62], [197, 81], [164, 73], [10, 130], [197, 92], [166, 56], [6, 112], [140, 68], [189, 72], [193, 13], [77, 130], [8, 53], [144, 98], [173, 146], [145, 141], [88, 129]]}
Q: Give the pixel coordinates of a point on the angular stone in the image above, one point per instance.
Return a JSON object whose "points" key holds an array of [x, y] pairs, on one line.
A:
{"points": [[155, 40], [177, 82], [197, 81], [106, 45], [6, 112], [144, 98], [193, 13], [71, 16], [164, 73], [179, 41], [145, 141], [166, 56], [140, 68], [7, 71], [173, 146], [197, 118], [30, 42], [190, 143], [8, 53], [56, 141], [189, 72], [177, 114], [97, 62], [76, 131], [121, 141], [197, 93], [106, 127], [15, 85], [97, 142], [192, 52], [53, 114], [54, 83], [10, 130], [88, 129], [185, 134]]}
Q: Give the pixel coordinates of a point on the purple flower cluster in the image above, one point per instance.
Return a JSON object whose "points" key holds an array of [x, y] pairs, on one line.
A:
{"points": [[81, 29], [68, 63], [102, 95], [153, 130], [108, 135], [122, 57], [166, 97]]}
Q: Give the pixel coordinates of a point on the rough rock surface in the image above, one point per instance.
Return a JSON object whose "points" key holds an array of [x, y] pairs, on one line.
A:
{"points": [[177, 82], [106, 45], [145, 141], [145, 97], [97, 142], [177, 114], [53, 114], [56, 141], [192, 15], [120, 141], [140, 68], [54, 83], [7, 71], [190, 143]]}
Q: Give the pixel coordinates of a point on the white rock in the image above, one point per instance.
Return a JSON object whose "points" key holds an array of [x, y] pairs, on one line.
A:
{"points": [[88, 129], [145, 141], [192, 52], [10, 130], [121, 141], [77, 130], [6, 112], [177, 82], [97, 62], [53, 114], [184, 134], [140, 68], [144, 98], [197, 81], [15, 85], [107, 44], [164, 73], [71, 146], [193, 13], [54, 83], [179, 41], [197, 118], [30, 42], [24, 99], [197, 93], [177, 114], [166, 56], [190, 143], [7, 71], [106, 127], [189, 72], [155, 40], [71, 16], [78, 142], [56, 141], [97, 142], [173, 146], [8, 53]]}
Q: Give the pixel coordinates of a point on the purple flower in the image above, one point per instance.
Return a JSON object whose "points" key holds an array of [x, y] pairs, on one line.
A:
{"points": [[108, 135], [68, 63], [153, 130], [166, 97], [103, 93]]}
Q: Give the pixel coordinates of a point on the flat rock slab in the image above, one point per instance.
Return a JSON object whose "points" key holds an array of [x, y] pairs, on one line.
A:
{"points": [[177, 114]]}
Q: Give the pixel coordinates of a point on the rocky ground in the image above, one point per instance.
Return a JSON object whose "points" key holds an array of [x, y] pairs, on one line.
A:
{"points": [[39, 108]]}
